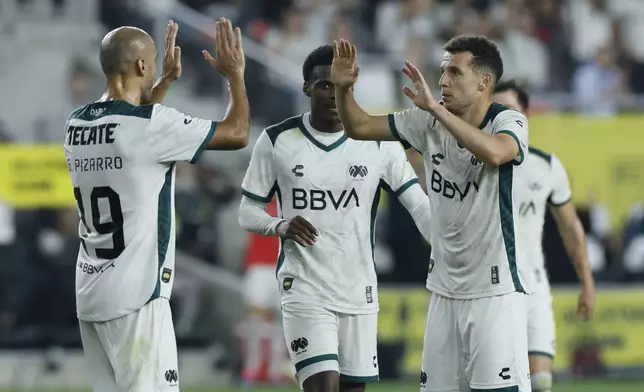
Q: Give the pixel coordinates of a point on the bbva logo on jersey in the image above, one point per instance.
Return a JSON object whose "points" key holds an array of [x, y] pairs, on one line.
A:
{"points": [[317, 199]]}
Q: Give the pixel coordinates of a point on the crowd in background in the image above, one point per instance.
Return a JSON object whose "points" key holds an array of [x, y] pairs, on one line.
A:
{"points": [[591, 49]]}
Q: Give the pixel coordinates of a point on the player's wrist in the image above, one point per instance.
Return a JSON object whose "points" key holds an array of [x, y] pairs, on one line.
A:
{"points": [[165, 81], [235, 76], [281, 227], [348, 89], [434, 108], [588, 285]]}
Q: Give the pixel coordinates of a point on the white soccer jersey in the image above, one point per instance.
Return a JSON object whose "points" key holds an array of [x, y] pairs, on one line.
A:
{"points": [[334, 183], [121, 162], [473, 205], [541, 180]]}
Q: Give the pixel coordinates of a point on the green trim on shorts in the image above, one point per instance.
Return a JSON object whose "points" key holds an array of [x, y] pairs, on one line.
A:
{"points": [[514, 388], [318, 358], [540, 354], [358, 379]]}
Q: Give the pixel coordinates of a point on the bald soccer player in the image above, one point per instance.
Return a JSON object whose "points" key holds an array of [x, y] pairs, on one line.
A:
{"points": [[121, 153]]}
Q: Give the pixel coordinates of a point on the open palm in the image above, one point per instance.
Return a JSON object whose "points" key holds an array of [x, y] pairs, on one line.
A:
{"points": [[345, 68], [229, 56], [171, 53], [422, 97]]}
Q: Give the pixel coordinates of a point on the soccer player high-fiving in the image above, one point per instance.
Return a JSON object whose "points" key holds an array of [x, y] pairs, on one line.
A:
{"points": [[476, 331], [328, 188], [121, 152]]}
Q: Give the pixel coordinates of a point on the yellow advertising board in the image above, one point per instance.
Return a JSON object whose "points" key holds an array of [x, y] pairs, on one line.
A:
{"points": [[604, 157], [34, 176], [617, 330]]}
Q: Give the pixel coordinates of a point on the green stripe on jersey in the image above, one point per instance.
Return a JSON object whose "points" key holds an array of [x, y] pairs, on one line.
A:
{"points": [[275, 130], [96, 110], [394, 131], [164, 226], [540, 354], [280, 258], [258, 198], [541, 154], [317, 143], [492, 112], [406, 186], [374, 215], [318, 358], [516, 139], [506, 173], [204, 144], [358, 379]]}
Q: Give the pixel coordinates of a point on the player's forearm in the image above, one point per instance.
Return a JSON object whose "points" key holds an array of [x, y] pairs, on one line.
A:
{"points": [[354, 119], [159, 91], [574, 239], [236, 123], [416, 203], [254, 218], [487, 148], [357, 123]]}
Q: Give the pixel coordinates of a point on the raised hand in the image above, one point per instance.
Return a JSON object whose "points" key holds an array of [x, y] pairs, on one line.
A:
{"points": [[171, 53], [229, 55], [422, 97], [345, 68], [299, 230]]}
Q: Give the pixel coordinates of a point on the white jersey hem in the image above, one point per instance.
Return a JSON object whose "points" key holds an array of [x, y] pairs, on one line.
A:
{"points": [[332, 307], [466, 296], [100, 318]]}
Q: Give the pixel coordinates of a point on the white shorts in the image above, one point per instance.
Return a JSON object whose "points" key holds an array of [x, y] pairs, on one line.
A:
{"points": [[478, 344], [321, 340], [135, 353], [541, 325], [262, 288]]}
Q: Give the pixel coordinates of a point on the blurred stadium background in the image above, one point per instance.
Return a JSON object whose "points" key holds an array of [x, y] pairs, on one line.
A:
{"points": [[582, 60]]}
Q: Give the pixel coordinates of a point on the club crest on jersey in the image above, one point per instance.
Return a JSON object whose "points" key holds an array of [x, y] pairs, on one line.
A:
{"points": [[357, 172], [166, 275], [96, 112]]}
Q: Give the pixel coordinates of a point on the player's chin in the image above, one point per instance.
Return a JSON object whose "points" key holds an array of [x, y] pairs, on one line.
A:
{"points": [[451, 107], [333, 114]]}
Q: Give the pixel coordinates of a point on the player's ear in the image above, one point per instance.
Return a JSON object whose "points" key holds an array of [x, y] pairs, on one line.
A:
{"points": [[306, 88], [486, 81], [140, 67]]}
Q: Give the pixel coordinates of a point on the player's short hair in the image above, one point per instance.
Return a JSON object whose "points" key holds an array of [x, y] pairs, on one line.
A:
{"points": [[321, 56], [485, 53], [512, 85]]}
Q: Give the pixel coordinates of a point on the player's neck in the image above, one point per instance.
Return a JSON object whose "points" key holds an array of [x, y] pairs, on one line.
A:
{"points": [[117, 90], [475, 114], [326, 125]]}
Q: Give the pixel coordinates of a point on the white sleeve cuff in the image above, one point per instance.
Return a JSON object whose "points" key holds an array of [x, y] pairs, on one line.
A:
{"points": [[254, 218]]}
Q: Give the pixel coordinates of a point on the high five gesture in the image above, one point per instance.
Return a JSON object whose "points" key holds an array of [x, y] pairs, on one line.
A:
{"points": [[345, 68], [229, 55]]}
